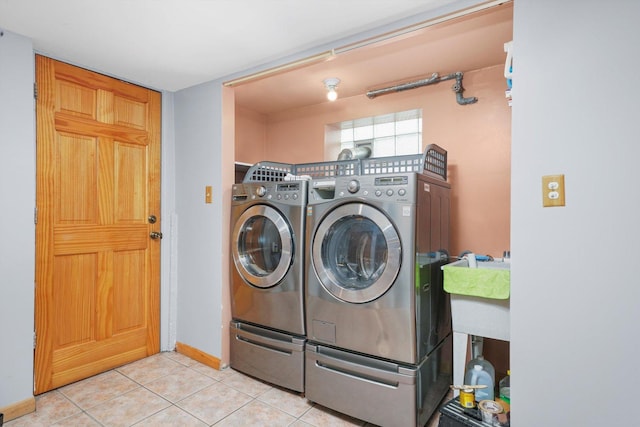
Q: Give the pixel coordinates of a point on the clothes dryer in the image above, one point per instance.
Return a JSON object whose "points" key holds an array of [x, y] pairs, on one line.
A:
{"points": [[267, 272]]}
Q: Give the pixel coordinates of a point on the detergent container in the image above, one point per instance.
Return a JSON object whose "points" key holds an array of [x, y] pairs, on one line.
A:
{"points": [[481, 372]]}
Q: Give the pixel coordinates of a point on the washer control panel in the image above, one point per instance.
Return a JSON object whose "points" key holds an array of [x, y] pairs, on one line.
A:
{"points": [[385, 188]]}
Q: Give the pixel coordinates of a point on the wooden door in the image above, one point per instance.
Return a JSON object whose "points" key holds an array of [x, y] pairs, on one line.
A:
{"points": [[98, 183]]}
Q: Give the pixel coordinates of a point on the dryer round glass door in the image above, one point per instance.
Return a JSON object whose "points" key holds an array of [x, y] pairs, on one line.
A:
{"points": [[356, 253], [263, 246]]}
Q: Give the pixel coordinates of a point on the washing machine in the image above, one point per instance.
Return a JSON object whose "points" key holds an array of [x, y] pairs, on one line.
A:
{"points": [[267, 272], [376, 244], [378, 319]]}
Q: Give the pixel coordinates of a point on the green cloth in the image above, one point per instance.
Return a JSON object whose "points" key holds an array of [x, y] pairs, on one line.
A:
{"points": [[478, 282]]}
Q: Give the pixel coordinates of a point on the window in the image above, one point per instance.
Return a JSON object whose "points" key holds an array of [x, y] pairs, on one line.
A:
{"points": [[391, 134]]}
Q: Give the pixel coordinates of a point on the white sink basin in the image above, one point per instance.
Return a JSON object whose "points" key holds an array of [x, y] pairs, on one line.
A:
{"points": [[479, 305], [479, 297], [491, 279]]}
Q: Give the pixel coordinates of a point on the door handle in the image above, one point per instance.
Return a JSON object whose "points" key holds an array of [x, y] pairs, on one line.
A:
{"points": [[155, 235]]}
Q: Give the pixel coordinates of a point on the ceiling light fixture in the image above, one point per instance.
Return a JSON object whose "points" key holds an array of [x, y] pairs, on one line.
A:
{"points": [[331, 84]]}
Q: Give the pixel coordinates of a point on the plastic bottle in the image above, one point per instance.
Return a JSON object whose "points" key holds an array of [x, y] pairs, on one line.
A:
{"points": [[486, 365], [481, 372], [505, 388]]}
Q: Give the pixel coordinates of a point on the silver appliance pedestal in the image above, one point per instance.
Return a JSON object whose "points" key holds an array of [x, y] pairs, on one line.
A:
{"points": [[271, 356], [378, 391]]}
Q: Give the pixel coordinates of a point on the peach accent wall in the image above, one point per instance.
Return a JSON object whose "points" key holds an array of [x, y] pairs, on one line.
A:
{"points": [[229, 130], [477, 138], [250, 136]]}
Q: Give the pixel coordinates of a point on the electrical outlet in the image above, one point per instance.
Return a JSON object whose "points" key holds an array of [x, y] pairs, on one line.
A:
{"points": [[552, 190]]}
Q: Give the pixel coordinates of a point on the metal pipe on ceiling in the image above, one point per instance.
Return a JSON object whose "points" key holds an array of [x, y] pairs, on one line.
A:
{"points": [[435, 78]]}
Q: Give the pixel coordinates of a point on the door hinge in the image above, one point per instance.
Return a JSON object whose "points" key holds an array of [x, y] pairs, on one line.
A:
{"points": [[35, 91], [34, 340], [35, 216]]}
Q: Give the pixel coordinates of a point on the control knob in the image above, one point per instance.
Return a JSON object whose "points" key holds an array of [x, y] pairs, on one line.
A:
{"points": [[353, 186], [261, 191]]}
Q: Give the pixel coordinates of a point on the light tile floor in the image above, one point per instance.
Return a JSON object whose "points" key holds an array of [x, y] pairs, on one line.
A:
{"points": [[170, 389]]}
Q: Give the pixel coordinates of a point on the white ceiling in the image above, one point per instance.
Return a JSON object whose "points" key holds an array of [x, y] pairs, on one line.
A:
{"points": [[173, 44]]}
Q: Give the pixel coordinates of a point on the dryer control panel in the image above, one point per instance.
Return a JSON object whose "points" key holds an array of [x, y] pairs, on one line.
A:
{"points": [[289, 193]]}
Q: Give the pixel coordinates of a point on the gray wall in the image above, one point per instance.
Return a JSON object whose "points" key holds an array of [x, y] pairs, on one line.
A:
{"points": [[575, 292], [169, 253], [17, 229], [197, 163]]}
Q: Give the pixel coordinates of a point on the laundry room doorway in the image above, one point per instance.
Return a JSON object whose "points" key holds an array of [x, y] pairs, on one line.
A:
{"points": [[97, 223]]}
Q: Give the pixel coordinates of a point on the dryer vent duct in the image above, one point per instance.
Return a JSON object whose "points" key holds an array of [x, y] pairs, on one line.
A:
{"points": [[435, 78], [356, 153]]}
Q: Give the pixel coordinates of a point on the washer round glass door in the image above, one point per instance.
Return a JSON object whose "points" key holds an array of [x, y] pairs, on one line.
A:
{"points": [[262, 251], [356, 253]]}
